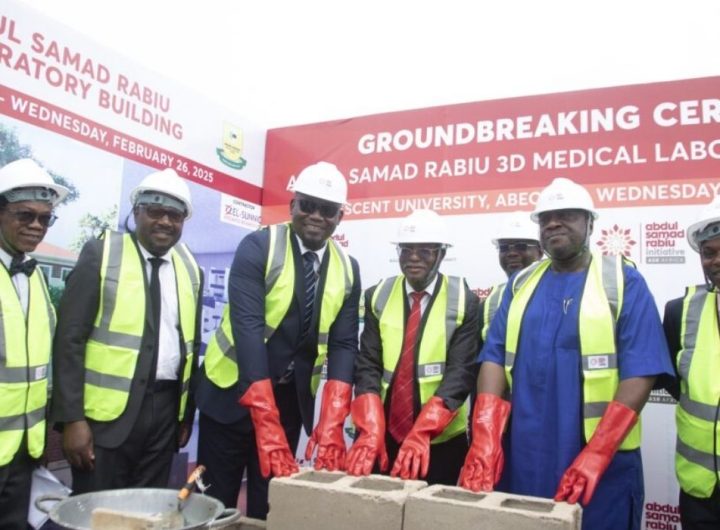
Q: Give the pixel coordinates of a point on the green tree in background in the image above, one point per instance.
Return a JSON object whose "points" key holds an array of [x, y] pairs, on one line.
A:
{"points": [[92, 226], [11, 149]]}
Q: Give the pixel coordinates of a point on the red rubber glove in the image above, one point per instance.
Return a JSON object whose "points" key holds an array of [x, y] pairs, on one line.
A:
{"points": [[484, 461], [413, 458], [369, 419], [587, 469], [272, 445], [328, 434]]}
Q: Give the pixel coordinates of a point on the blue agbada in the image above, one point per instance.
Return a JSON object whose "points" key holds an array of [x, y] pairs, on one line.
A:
{"points": [[545, 432]]}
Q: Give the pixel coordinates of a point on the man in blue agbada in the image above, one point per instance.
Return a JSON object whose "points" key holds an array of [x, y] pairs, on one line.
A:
{"points": [[575, 347]]}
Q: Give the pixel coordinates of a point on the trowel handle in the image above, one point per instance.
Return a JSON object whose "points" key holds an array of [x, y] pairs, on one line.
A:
{"points": [[190, 484]]}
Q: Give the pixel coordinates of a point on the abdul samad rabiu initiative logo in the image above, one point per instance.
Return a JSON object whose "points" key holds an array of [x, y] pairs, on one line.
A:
{"points": [[616, 241]]}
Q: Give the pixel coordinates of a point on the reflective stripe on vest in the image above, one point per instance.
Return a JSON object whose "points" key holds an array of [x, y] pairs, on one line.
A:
{"points": [[24, 356], [446, 314], [112, 349], [600, 308], [220, 357], [696, 457], [490, 307]]}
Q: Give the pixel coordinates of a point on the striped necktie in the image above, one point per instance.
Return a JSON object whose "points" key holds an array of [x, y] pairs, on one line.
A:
{"points": [[309, 260], [402, 403]]}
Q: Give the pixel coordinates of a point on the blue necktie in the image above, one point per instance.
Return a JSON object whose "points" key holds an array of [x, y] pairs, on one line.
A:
{"points": [[309, 260]]}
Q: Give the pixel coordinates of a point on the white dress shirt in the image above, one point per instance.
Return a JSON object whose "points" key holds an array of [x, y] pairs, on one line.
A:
{"points": [[168, 363], [21, 282]]}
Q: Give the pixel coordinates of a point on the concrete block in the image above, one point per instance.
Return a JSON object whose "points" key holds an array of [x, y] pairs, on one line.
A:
{"points": [[437, 506], [322, 500]]}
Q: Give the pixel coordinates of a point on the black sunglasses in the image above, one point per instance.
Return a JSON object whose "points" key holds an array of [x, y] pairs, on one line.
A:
{"points": [[326, 209], [517, 247], [158, 212], [424, 253], [27, 217]]}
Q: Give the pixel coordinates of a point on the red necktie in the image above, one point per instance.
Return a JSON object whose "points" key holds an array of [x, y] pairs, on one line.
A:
{"points": [[402, 410]]}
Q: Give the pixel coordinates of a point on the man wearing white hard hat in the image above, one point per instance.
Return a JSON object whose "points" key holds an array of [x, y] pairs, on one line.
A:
{"points": [[518, 247], [691, 329], [28, 196], [416, 362], [577, 343], [293, 304], [126, 344]]}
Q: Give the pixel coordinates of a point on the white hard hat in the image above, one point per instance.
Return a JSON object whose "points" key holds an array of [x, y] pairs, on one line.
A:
{"points": [[25, 180], [323, 181], [423, 226], [707, 225], [517, 226], [563, 194], [166, 182]]}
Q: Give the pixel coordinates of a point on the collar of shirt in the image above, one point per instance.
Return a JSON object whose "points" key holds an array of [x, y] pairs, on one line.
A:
{"points": [[7, 258], [20, 281], [320, 252], [429, 289], [147, 255]]}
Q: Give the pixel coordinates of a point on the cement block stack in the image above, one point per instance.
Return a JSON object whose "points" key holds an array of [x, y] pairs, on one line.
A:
{"points": [[438, 506], [320, 500]]}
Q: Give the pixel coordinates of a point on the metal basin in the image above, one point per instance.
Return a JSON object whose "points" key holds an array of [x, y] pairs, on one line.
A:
{"points": [[199, 511]]}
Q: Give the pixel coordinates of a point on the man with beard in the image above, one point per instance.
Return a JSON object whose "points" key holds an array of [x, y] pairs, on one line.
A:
{"points": [[691, 329], [28, 197], [576, 345], [126, 344], [293, 304]]}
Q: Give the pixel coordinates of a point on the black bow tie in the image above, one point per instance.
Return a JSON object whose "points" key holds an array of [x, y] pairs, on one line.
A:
{"points": [[26, 267]]}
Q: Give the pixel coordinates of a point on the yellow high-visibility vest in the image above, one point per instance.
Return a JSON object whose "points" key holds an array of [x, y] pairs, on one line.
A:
{"points": [[25, 346], [696, 455], [490, 307], [113, 347], [220, 357], [446, 315], [600, 309]]}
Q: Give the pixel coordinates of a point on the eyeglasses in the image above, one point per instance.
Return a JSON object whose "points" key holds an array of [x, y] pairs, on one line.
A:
{"points": [[569, 215], [28, 217], [424, 253], [517, 247], [158, 212], [326, 209]]}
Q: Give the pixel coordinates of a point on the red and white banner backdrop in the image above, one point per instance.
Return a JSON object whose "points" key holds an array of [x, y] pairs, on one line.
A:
{"points": [[57, 80], [649, 154]]}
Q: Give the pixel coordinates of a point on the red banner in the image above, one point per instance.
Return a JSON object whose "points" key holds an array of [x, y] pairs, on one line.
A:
{"points": [[448, 158]]}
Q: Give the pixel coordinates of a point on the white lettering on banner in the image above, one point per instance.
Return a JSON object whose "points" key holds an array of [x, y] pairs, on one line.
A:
{"points": [[149, 153], [658, 192], [383, 173], [690, 112], [601, 156], [692, 150], [444, 203], [516, 198], [459, 167], [58, 119], [573, 122]]}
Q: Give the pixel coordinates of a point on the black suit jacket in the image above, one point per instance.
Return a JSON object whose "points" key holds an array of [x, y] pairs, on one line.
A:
{"points": [[460, 368], [258, 360], [672, 321], [78, 309]]}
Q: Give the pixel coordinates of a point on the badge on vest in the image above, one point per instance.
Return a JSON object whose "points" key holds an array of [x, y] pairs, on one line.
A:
{"points": [[40, 372], [598, 362], [432, 369]]}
